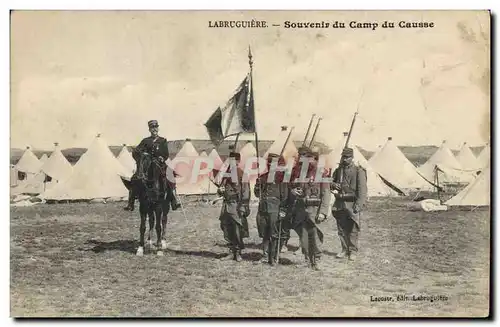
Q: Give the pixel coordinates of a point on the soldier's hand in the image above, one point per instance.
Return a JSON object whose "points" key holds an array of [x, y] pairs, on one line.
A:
{"points": [[336, 186], [281, 214], [161, 159], [321, 218]]}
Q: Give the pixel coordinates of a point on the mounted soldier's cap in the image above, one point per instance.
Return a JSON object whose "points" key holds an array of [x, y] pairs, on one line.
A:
{"points": [[153, 123], [347, 152]]}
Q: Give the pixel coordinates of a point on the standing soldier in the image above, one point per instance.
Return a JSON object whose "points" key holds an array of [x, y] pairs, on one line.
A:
{"points": [[235, 208], [350, 190], [309, 197], [156, 146], [273, 197]]}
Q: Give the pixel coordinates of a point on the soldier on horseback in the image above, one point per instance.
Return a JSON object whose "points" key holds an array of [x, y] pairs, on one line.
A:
{"points": [[157, 147]]}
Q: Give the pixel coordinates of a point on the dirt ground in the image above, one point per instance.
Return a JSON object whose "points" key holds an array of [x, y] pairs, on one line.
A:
{"points": [[79, 260]]}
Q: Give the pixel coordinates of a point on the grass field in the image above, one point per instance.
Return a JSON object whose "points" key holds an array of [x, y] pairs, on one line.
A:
{"points": [[79, 260]]}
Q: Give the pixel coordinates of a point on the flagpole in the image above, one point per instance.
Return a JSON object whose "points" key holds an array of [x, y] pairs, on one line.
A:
{"points": [[250, 63]]}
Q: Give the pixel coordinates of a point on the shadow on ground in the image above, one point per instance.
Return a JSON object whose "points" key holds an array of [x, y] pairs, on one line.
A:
{"points": [[129, 246]]}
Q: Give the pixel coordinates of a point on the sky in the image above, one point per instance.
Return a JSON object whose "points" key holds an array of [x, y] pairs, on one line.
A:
{"points": [[77, 74]]}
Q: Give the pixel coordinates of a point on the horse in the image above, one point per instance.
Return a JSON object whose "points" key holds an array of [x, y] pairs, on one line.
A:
{"points": [[155, 198]]}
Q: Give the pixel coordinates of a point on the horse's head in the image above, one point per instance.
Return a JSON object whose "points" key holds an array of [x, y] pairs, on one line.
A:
{"points": [[149, 171], [144, 167]]}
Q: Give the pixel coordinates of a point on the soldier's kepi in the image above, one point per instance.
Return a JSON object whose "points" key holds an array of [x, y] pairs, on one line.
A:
{"points": [[235, 208], [350, 190], [157, 147], [308, 201]]}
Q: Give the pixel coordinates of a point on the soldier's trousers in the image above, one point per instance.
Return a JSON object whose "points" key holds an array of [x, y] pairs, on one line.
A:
{"points": [[309, 240], [271, 232], [233, 232], [348, 231]]}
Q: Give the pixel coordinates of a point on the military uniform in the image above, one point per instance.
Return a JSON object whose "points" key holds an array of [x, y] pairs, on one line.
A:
{"points": [[235, 210], [273, 197], [350, 198], [308, 206], [158, 148]]}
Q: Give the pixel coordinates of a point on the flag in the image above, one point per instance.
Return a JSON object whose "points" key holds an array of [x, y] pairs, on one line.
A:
{"points": [[237, 116]]}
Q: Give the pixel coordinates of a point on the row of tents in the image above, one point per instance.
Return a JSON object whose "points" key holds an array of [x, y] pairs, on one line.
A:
{"points": [[98, 173]]}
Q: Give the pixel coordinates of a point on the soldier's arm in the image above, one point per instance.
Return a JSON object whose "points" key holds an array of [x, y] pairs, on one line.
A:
{"points": [[361, 188], [164, 149], [136, 154]]}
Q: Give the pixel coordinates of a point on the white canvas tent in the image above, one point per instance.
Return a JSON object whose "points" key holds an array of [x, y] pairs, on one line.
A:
{"points": [[43, 158], [57, 166], [183, 165], [29, 163], [33, 182], [392, 165], [449, 169], [96, 175], [203, 154], [484, 156], [290, 151], [467, 159], [476, 193], [376, 187], [187, 150], [126, 159]]}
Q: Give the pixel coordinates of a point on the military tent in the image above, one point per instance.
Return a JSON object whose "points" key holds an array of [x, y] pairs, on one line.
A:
{"points": [[484, 156], [96, 175], [476, 194], [43, 158], [126, 159], [392, 165], [57, 167], [444, 168], [284, 137], [467, 159]]}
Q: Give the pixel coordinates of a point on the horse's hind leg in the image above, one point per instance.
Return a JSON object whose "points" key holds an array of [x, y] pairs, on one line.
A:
{"points": [[142, 229]]}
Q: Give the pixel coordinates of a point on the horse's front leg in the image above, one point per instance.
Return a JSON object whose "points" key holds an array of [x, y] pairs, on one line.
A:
{"points": [[151, 226], [158, 214], [164, 220], [142, 229]]}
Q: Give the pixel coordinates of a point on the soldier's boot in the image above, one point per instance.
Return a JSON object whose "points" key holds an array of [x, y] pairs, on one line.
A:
{"points": [[131, 202], [315, 263], [237, 256], [265, 251], [175, 203], [273, 252]]}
